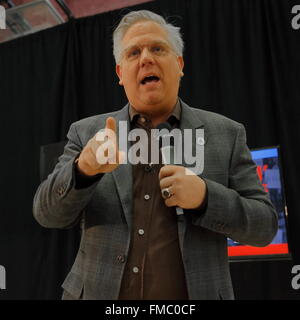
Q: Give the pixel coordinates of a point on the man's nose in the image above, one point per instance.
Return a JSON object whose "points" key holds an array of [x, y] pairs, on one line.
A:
{"points": [[146, 57]]}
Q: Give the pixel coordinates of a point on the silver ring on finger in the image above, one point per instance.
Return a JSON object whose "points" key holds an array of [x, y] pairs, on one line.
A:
{"points": [[166, 193]]}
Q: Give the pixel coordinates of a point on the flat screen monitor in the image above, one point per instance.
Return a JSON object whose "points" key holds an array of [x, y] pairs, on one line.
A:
{"points": [[270, 174]]}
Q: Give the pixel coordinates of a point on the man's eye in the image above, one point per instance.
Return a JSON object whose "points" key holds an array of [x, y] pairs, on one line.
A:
{"points": [[157, 49], [134, 53]]}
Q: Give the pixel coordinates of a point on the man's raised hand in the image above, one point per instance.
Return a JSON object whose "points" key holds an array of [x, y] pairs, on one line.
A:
{"points": [[101, 154]]}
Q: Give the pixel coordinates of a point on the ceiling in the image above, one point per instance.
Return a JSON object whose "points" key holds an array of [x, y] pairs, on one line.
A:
{"points": [[82, 8]]}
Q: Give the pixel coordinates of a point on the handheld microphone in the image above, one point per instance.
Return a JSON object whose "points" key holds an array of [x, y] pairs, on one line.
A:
{"points": [[167, 149]]}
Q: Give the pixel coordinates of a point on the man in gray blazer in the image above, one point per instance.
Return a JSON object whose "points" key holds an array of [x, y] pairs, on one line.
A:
{"points": [[133, 244]]}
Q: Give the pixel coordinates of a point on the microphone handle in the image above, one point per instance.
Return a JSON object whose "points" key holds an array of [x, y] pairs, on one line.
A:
{"points": [[179, 211], [168, 158]]}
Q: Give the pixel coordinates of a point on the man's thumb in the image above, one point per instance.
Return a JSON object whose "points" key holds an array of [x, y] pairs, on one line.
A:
{"points": [[111, 124]]}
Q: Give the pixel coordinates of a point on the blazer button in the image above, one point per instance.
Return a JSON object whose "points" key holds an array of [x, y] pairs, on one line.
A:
{"points": [[121, 258]]}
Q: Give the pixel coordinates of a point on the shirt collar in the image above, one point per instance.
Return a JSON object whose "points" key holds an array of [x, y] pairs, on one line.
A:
{"points": [[175, 115]]}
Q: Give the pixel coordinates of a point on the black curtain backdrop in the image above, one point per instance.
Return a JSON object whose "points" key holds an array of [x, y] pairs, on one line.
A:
{"points": [[241, 60]]}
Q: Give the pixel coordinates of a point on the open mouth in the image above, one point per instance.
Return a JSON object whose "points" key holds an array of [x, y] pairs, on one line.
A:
{"points": [[149, 79]]}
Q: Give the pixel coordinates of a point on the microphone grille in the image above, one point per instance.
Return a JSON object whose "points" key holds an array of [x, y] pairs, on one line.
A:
{"points": [[164, 125]]}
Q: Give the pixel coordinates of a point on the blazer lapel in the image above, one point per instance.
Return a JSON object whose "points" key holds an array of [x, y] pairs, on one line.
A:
{"points": [[188, 120], [123, 174]]}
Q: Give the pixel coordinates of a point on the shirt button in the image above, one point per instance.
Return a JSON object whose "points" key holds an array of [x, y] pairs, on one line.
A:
{"points": [[148, 168], [135, 269], [147, 197], [141, 232]]}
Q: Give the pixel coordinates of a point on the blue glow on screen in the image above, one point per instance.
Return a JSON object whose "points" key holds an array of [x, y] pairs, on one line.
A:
{"points": [[264, 153], [268, 161]]}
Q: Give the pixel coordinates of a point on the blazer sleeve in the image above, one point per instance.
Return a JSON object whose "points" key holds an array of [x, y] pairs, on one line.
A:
{"points": [[243, 210], [57, 203]]}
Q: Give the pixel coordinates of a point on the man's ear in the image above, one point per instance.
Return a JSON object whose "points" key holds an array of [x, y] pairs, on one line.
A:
{"points": [[180, 64], [119, 73]]}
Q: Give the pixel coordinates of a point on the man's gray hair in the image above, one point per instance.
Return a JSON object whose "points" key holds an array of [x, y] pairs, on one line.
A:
{"points": [[131, 18]]}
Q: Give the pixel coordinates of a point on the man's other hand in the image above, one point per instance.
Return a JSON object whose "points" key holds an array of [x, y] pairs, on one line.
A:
{"points": [[188, 191]]}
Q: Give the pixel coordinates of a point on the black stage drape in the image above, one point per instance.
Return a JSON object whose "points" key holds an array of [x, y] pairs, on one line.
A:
{"points": [[241, 60]]}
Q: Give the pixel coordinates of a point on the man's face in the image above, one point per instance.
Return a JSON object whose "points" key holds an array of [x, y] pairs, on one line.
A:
{"points": [[149, 69]]}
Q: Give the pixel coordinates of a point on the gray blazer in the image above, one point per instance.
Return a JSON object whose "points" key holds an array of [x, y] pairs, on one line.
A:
{"points": [[237, 208]]}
